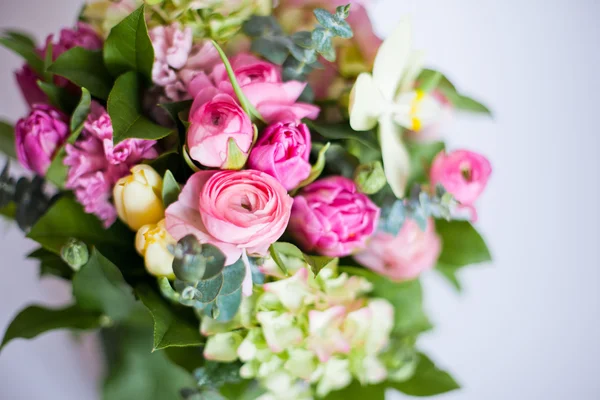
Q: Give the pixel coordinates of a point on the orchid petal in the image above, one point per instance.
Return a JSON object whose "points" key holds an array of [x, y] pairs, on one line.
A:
{"points": [[366, 103], [396, 160]]}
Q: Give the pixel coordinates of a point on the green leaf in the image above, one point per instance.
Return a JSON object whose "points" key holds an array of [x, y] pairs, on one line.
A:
{"points": [[431, 82], [171, 189], [245, 103], [99, 286], [406, 297], [9, 211], [228, 305], [85, 68], [7, 140], [236, 159], [175, 108], [51, 264], [58, 96], [356, 391], [125, 112], [317, 263], [274, 49], [58, 171], [465, 103], [170, 329], [66, 219], [428, 380], [209, 289], [461, 244], [449, 272], [129, 48], [138, 373], [25, 49], [340, 131], [316, 169], [35, 320], [273, 250], [421, 158], [23, 37], [233, 277]]}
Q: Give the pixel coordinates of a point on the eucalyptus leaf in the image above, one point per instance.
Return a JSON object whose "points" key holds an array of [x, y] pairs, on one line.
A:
{"points": [[7, 140], [35, 320], [302, 39], [125, 112], [233, 276], [85, 68], [100, 286], [25, 49], [228, 305], [428, 380], [209, 289], [272, 48], [170, 190], [215, 261], [129, 48], [170, 328]]}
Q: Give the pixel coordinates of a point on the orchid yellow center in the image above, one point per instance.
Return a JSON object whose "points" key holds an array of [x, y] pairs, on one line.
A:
{"points": [[414, 110]]}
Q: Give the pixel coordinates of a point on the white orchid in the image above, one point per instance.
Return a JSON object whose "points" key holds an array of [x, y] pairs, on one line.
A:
{"points": [[387, 98]]}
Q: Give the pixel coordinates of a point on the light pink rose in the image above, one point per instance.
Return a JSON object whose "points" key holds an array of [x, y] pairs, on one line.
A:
{"points": [[462, 173], [282, 151], [262, 84], [332, 218], [234, 210], [405, 256], [212, 125]]}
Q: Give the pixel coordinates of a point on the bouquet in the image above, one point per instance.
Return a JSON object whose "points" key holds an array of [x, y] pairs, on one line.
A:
{"points": [[243, 196]]}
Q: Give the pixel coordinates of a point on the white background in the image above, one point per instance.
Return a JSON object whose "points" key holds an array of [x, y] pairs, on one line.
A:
{"points": [[525, 327]]}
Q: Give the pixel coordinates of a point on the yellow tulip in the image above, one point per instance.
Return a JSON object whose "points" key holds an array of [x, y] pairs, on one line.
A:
{"points": [[151, 242], [138, 197]]}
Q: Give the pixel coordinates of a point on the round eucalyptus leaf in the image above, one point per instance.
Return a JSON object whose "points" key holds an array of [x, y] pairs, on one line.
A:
{"points": [[233, 276], [214, 261], [209, 289], [228, 306]]}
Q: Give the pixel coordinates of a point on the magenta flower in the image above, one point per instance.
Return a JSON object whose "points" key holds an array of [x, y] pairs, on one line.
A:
{"points": [[282, 152], [38, 137], [27, 82], [95, 165], [332, 218]]}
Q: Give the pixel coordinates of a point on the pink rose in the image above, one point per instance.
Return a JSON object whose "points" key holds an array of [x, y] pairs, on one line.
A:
{"points": [[282, 152], [262, 84], [404, 256], [38, 137], [213, 124], [234, 210], [462, 173], [332, 218]]}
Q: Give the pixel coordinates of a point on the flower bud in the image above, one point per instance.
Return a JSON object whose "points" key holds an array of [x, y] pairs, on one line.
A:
{"points": [[152, 242], [370, 178], [75, 253], [138, 197]]}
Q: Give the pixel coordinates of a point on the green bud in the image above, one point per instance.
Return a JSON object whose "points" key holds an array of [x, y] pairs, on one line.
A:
{"points": [[153, 2], [370, 178], [75, 253]]}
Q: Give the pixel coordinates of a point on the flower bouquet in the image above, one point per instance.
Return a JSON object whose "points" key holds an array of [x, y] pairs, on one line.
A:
{"points": [[242, 196]]}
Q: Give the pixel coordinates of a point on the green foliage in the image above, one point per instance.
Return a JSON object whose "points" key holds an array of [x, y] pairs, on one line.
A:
{"points": [[421, 158], [137, 373], [35, 320], [126, 114], [316, 263], [214, 375], [356, 391], [7, 140], [171, 189], [406, 297], [195, 262], [170, 328], [51, 264], [99, 286], [430, 80], [58, 171], [317, 168], [341, 131], [428, 380], [58, 96], [66, 219], [370, 178], [462, 245], [128, 47], [85, 68], [25, 47]]}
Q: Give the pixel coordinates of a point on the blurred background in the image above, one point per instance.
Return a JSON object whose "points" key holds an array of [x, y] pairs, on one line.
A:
{"points": [[525, 327]]}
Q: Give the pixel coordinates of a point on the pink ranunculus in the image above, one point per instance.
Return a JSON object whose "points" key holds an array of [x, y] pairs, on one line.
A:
{"points": [[282, 152], [405, 256], [95, 164], [177, 60], [39, 135], [462, 173], [262, 84], [332, 218], [27, 81], [212, 124], [236, 211]]}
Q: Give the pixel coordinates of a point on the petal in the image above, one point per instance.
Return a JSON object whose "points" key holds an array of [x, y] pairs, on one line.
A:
{"points": [[366, 103], [396, 160]]}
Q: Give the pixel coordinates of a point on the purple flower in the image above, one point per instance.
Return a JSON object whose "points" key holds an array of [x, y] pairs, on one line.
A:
{"points": [[282, 152], [95, 164], [332, 218], [27, 81], [39, 135]]}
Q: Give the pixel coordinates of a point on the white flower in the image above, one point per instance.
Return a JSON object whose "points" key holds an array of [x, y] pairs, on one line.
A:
{"points": [[223, 347], [292, 291], [279, 330], [387, 98], [332, 375]]}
